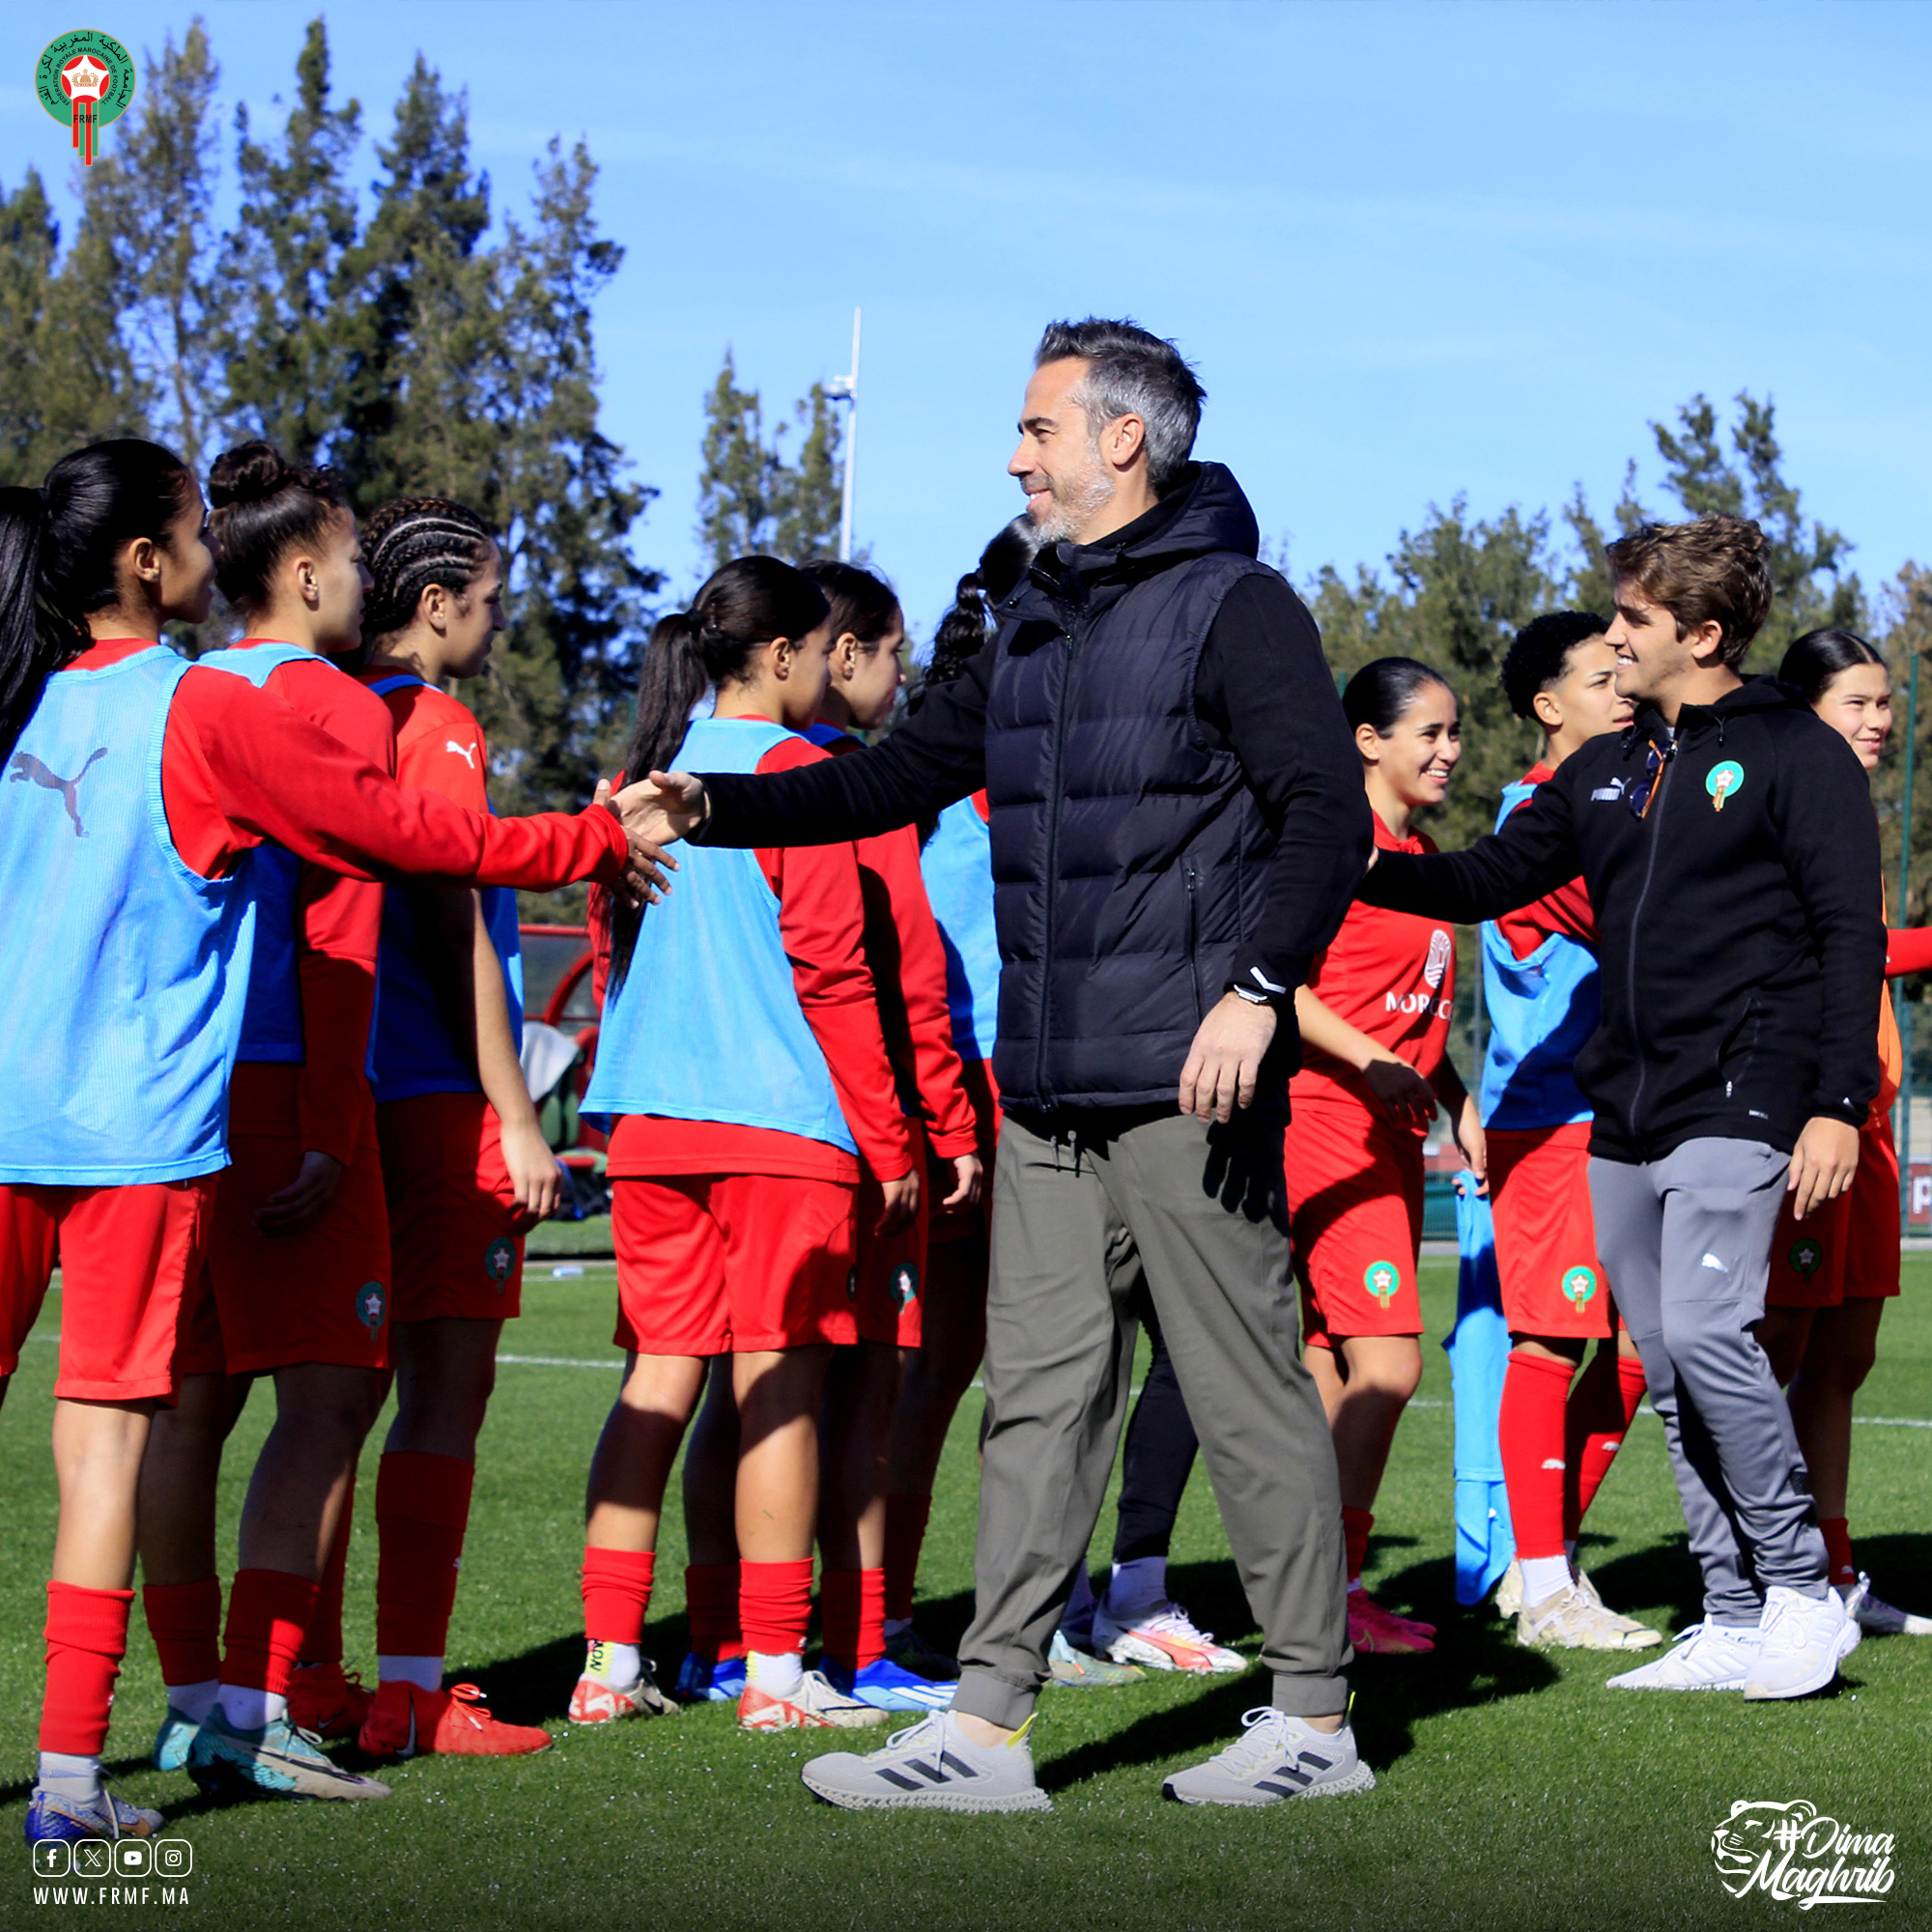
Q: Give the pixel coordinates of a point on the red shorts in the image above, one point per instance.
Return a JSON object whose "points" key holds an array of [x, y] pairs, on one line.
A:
{"points": [[962, 1224], [1354, 1191], [1552, 1282], [717, 1263], [126, 1255], [269, 1302], [889, 1271], [455, 1229], [1847, 1251]]}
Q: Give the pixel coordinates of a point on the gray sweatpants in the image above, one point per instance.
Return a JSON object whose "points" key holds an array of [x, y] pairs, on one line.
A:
{"points": [[1686, 1242], [1079, 1220]]}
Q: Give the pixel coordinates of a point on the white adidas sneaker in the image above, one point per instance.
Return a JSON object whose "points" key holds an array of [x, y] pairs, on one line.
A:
{"points": [[931, 1765], [1705, 1656], [1276, 1756], [1802, 1640]]}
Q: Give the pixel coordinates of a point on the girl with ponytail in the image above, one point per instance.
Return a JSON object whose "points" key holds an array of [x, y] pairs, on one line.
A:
{"points": [[1373, 1016], [742, 1058], [889, 1288], [138, 787], [466, 1166]]}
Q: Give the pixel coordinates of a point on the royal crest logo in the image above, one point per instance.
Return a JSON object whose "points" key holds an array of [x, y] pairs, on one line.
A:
{"points": [[1580, 1284], [1807, 1257], [1790, 1851], [1381, 1279], [86, 79], [498, 1259], [372, 1303], [906, 1284]]}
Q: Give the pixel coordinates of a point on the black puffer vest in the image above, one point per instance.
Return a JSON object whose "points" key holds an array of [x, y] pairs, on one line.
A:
{"points": [[1130, 858]]}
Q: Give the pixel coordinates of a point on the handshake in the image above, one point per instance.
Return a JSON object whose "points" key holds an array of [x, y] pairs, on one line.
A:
{"points": [[655, 811]]}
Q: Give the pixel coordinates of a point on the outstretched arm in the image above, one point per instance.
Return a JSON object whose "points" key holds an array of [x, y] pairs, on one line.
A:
{"points": [[1533, 854], [937, 756]]}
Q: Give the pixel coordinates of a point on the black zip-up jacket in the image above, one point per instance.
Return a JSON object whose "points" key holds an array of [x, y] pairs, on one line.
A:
{"points": [[1738, 923], [1175, 803]]}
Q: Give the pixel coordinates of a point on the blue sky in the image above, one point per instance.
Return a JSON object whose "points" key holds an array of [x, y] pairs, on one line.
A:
{"points": [[1412, 249]]}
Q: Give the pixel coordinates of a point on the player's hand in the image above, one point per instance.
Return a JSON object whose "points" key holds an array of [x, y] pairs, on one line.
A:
{"points": [[1400, 1091], [303, 1202], [1822, 1164], [532, 1169], [969, 1179], [1474, 1143], [668, 806], [644, 867], [1224, 1064], [901, 1204]]}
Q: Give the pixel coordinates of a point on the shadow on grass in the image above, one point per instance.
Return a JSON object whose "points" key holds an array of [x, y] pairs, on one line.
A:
{"points": [[1900, 1568], [1476, 1661]]}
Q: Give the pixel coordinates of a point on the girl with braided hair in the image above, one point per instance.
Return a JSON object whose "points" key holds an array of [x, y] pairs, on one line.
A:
{"points": [[140, 789], [465, 1168]]}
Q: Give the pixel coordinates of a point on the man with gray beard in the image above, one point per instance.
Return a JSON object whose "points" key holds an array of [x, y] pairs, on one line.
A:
{"points": [[1177, 824]]}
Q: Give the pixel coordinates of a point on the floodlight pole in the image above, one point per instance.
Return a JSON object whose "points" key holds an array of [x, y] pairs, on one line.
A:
{"points": [[845, 390]]}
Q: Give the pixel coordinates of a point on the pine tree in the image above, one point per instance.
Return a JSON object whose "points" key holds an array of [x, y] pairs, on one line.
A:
{"points": [[567, 671], [750, 498], [149, 205], [65, 377], [1460, 592], [419, 308], [281, 342], [1703, 478]]}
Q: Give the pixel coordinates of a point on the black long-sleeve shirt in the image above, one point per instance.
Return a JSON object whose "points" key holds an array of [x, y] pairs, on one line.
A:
{"points": [[1262, 688]]}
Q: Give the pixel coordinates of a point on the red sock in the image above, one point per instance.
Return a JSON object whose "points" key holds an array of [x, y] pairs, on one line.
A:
{"points": [[711, 1608], [185, 1621], [852, 1615], [1844, 1572], [322, 1642], [423, 1508], [1529, 1431], [905, 1537], [616, 1593], [268, 1611], [1593, 1432], [86, 1637], [1355, 1526], [774, 1605]]}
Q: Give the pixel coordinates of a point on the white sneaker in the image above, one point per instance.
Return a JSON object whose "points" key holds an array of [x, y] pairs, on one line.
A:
{"points": [[1574, 1619], [931, 1765], [813, 1706], [1509, 1592], [1705, 1656], [1878, 1618], [1163, 1638], [1276, 1756], [1803, 1642]]}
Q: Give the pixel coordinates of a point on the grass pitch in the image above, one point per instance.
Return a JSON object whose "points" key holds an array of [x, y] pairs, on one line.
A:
{"points": [[1514, 1791]]}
